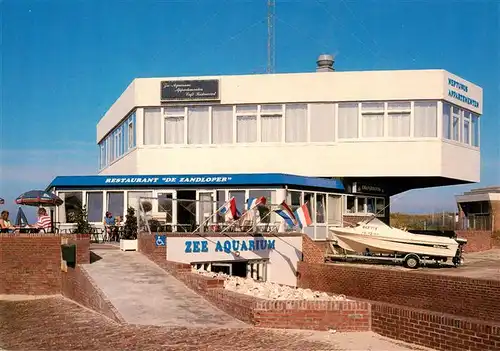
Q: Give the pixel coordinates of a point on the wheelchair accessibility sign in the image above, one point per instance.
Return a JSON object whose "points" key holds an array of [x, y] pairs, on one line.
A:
{"points": [[160, 240]]}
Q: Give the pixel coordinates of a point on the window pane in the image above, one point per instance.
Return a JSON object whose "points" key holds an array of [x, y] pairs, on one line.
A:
{"points": [[134, 197], [475, 130], [294, 199], [175, 111], [246, 109], [165, 205], [372, 106], [271, 109], [380, 207], [361, 205], [322, 122], [320, 208], [425, 119], [115, 203], [309, 200], [239, 197], [456, 128], [264, 212], [373, 125], [72, 204], [399, 105], [222, 124], [198, 125], [270, 128], [466, 132], [221, 199], [446, 121], [95, 211], [399, 124], [174, 130], [246, 129], [296, 123], [152, 126], [350, 204], [348, 120], [131, 135], [370, 205]]}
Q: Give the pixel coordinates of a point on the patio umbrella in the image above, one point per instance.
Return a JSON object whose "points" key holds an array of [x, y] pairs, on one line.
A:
{"points": [[21, 220], [2, 201], [38, 198]]}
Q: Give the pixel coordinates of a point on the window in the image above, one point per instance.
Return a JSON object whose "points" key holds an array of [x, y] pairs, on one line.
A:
{"points": [[296, 123], [425, 119], [320, 208], [222, 124], [131, 139], [118, 143], [399, 106], [370, 205], [133, 198], [446, 120], [360, 206], [456, 112], [246, 124], [322, 119], [72, 204], [348, 120], [239, 197], [380, 207], [351, 204], [466, 129], [102, 155], [152, 126], [475, 130], [221, 200], [270, 123], [165, 205], [372, 119], [264, 211], [294, 199], [398, 124], [373, 125], [198, 124], [95, 211], [115, 203], [174, 125], [309, 201]]}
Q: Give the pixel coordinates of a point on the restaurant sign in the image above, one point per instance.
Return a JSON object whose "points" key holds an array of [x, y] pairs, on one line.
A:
{"points": [[190, 90], [367, 188]]}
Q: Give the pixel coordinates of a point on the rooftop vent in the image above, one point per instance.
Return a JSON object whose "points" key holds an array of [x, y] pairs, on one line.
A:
{"points": [[325, 63]]}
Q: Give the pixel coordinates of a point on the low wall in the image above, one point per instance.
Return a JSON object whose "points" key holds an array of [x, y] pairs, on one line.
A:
{"points": [[77, 285], [477, 240], [82, 242], [436, 330], [30, 264], [475, 298], [317, 315], [147, 246]]}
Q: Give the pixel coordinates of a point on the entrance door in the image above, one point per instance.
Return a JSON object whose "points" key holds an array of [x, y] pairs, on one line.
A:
{"points": [[205, 208]]}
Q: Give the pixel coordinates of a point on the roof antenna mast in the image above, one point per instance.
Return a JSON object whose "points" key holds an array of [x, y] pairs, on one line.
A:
{"points": [[271, 5]]}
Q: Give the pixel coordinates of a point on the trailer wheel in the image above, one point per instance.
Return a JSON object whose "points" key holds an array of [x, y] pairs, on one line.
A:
{"points": [[412, 261]]}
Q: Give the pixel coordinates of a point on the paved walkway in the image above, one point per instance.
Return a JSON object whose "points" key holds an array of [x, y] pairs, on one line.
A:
{"points": [[145, 294]]}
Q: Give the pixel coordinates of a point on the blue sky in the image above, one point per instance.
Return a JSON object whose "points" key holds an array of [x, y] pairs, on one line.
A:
{"points": [[64, 63]]}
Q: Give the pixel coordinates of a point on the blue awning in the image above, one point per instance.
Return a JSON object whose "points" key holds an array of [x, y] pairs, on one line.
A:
{"points": [[212, 180]]}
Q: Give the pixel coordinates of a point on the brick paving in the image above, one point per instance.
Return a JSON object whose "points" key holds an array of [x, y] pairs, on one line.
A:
{"points": [[56, 323]]}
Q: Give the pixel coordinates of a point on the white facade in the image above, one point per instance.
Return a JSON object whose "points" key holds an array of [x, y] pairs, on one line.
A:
{"points": [[344, 124]]}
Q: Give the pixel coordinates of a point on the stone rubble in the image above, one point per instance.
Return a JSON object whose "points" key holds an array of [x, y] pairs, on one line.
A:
{"points": [[270, 291]]}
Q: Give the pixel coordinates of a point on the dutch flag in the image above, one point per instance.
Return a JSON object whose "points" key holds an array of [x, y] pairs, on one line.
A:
{"points": [[287, 214], [253, 202], [229, 210], [303, 216]]}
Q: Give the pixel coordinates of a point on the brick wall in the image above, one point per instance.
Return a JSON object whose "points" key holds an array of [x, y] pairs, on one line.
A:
{"points": [[477, 240], [476, 298], [313, 251], [435, 330], [338, 315], [146, 245], [82, 242], [77, 285], [30, 264]]}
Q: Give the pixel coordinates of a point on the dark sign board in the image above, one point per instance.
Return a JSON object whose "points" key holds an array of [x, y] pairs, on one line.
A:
{"points": [[369, 188], [190, 90]]}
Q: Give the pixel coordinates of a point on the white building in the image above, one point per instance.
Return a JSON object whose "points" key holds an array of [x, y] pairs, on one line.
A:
{"points": [[380, 132]]}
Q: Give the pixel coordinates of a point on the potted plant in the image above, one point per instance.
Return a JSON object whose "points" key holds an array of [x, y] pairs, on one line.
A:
{"points": [[128, 242], [79, 217]]}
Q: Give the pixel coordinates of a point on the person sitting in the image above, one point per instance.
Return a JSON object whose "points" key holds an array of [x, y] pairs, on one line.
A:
{"points": [[5, 225], [110, 226], [44, 222]]}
